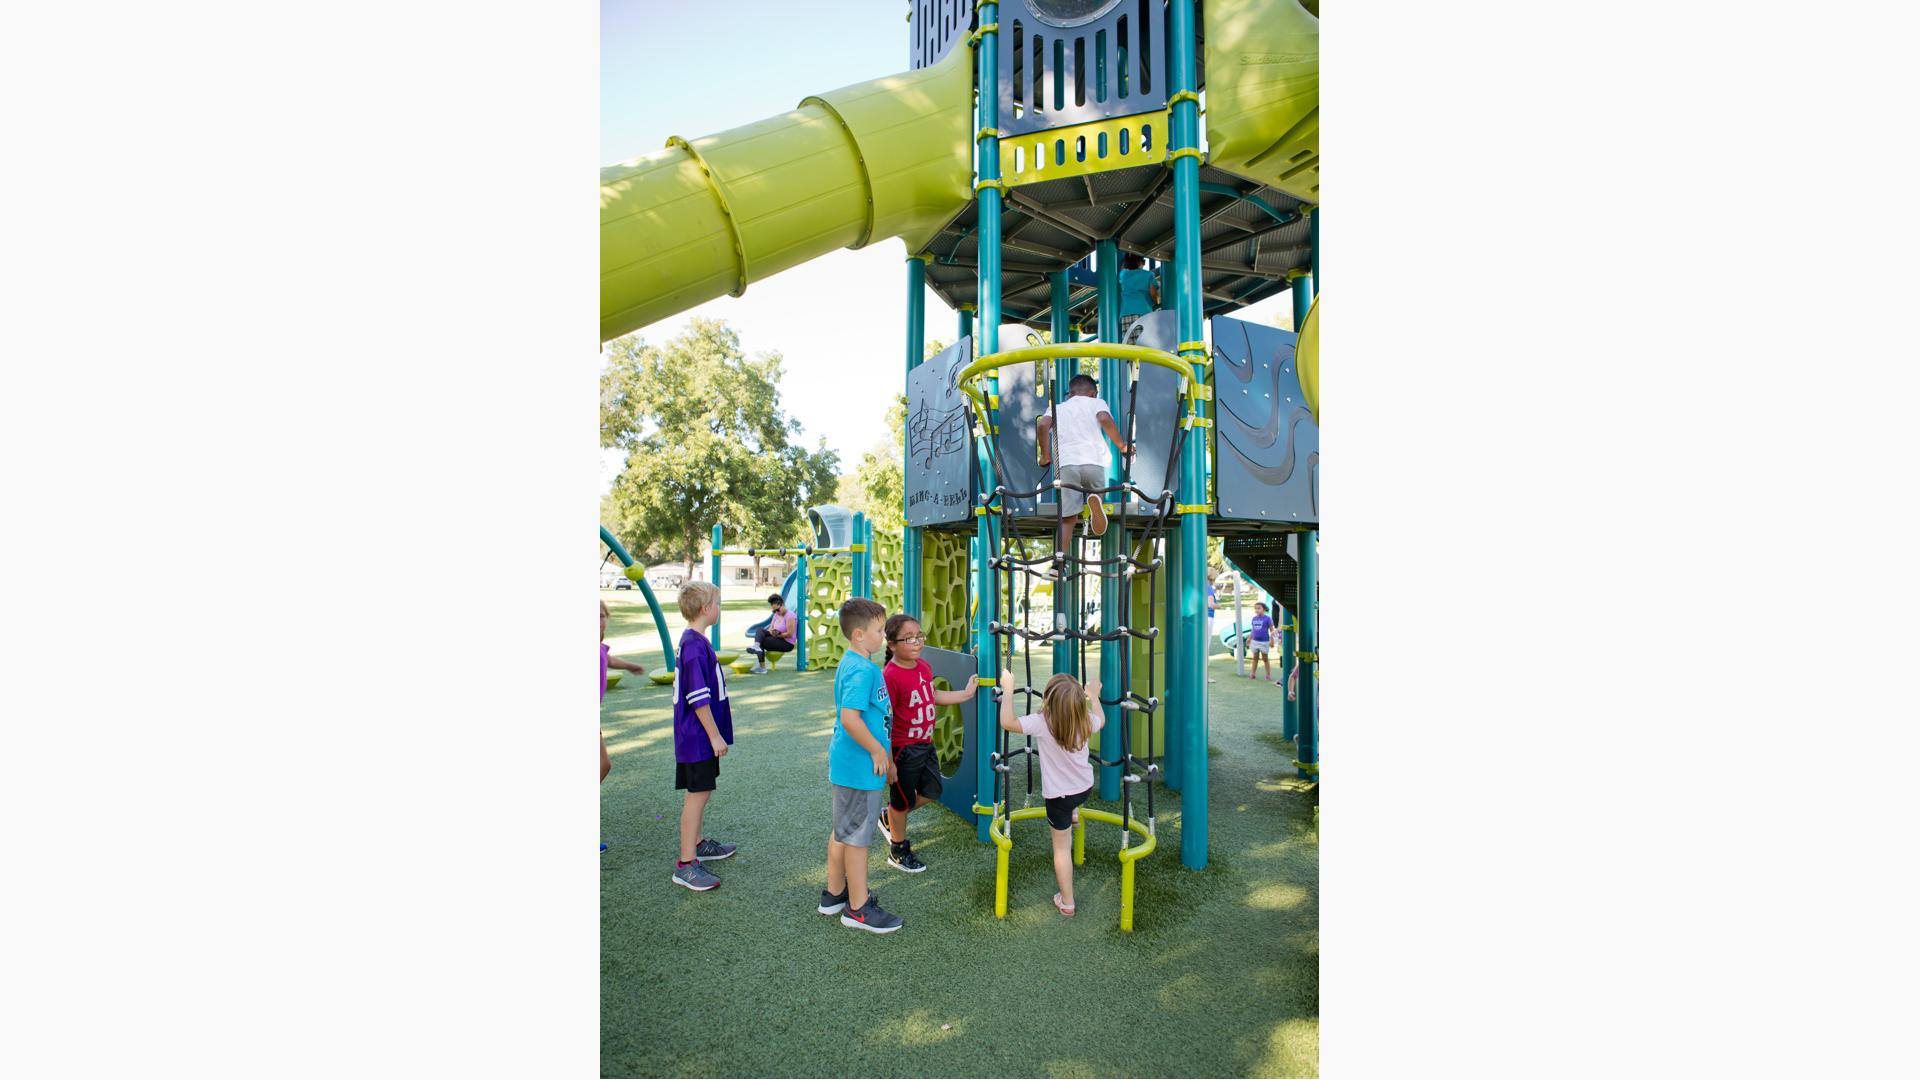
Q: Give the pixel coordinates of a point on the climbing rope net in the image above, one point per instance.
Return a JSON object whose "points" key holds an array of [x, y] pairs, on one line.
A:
{"points": [[1141, 561]]}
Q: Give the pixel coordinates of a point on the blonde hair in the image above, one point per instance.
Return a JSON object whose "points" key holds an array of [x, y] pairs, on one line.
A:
{"points": [[1065, 707], [694, 596]]}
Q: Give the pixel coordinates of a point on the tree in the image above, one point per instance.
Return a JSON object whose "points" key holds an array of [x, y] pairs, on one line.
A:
{"points": [[706, 443]]}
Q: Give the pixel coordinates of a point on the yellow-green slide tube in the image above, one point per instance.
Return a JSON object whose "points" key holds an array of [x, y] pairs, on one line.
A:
{"points": [[1263, 93], [704, 218]]}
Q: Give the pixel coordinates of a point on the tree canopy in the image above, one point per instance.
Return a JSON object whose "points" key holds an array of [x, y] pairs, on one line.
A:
{"points": [[706, 443]]}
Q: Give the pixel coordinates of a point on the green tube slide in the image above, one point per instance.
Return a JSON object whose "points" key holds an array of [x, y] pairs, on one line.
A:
{"points": [[704, 218], [1263, 93]]}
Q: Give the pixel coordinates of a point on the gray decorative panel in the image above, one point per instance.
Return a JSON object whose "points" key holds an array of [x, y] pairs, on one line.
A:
{"points": [[934, 27], [1070, 61], [1157, 401], [939, 449], [957, 791], [1267, 450]]}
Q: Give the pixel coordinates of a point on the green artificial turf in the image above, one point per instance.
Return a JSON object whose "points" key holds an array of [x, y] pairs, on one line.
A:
{"points": [[1219, 977]]}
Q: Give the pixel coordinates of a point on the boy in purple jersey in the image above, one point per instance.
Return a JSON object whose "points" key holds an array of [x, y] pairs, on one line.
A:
{"points": [[702, 734]]}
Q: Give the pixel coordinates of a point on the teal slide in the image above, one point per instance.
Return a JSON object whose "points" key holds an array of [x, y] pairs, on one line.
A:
{"points": [[790, 592]]}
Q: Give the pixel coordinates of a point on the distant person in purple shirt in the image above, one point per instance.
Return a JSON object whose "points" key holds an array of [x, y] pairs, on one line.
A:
{"points": [[1259, 641], [702, 735], [608, 660]]}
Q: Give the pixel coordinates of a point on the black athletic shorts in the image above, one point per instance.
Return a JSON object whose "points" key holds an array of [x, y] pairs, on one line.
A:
{"points": [[1060, 810], [696, 775], [919, 769]]}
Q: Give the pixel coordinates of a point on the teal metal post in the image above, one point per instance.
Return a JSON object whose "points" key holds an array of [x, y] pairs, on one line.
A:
{"points": [[1289, 710], [856, 566], [1302, 297], [800, 616], [987, 167], [1313, 231], [1173, 763], [646, 590], [916, 350], [714, 632], [1188, 682], [1066, 591], [1116, 593], [966, 323], [1306, 751]]}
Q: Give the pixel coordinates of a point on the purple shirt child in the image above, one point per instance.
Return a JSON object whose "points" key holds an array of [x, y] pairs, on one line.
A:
{"points": [[603, 671], [696, 682], [1262, 629]]}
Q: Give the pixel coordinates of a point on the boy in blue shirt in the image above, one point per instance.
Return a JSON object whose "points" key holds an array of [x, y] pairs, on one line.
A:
{"points": [[702, 735], [1139, 293], [1260, 639], [859, 766]]}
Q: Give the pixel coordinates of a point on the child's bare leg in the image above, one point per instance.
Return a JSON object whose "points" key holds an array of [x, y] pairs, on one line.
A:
{"points": [[606, 763], [856, 873], [896, 825], [1063, 536], [1063, 863], [692, 811], [836, 866]]}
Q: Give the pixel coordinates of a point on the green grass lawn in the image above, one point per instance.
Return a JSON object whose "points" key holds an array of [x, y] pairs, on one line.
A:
{"points": [[1219, 977]]}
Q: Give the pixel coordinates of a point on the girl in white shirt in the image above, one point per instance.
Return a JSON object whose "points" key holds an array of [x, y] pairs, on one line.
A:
{"points": [[1069, 714]]}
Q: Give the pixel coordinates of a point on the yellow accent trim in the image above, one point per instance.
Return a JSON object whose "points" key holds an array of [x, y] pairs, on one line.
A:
{"points": [[995, 681], [966, 307], [928, 259], [1184, 95], [1001, 824], [1308, 766], [986, 133], [990, 28], [1197, 421], [993, 401], [1192, 346], [856, 547], [999, 185], [1035, 168], [1307, 657], [1193, 508], [1187, 151], [1295, 275], [979, 511], [1200, 392]]}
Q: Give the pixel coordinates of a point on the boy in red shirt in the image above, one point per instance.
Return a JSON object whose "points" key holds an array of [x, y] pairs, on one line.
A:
{"points": [[910, 687]]}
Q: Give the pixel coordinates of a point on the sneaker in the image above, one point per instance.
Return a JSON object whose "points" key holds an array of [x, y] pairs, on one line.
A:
{"points": [[713, 851], [871, 918], [603, 847], [695, 876], [903, 858], [885, 829], [1098, 513], [831, 904], [761, 670]]}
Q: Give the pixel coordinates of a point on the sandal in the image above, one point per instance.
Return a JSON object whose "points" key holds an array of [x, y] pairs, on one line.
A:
{"points": [[1060, 907]]}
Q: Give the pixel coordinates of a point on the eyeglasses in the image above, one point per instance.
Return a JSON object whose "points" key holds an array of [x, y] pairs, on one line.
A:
{"points": [[909, 639]]}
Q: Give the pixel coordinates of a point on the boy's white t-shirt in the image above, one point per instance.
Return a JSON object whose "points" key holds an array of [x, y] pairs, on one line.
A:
{"points": [[1077, 425]]}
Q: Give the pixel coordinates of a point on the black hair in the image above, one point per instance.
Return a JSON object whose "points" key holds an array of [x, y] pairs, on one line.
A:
{"points": [[894, 625], [1132, 261], [1083, 381], [776, 598]]}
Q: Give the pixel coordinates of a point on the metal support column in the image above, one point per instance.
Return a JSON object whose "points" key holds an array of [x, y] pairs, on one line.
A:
{"points": [[988, 191], [966, 323], [1116, 594], [1289, 709], [800, 616], [714, 567], [1302, 296], [1066, 591], [910, 568], [1306, 752], [1188, 681]]}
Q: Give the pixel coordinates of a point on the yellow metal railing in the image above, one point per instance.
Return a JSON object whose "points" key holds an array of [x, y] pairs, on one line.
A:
{"points": [[1003, 822]]}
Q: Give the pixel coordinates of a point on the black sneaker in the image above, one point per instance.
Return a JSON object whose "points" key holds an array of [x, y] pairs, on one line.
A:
{"points": [[903, 858], [834, 905], [871, 918]]}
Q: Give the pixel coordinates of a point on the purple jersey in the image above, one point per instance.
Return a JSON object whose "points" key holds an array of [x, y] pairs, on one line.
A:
{"points": [[1262, 628], [696, 682], [603, 671]]}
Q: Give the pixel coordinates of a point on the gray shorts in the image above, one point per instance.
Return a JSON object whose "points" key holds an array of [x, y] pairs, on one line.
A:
{"points": [[855, 814], [1091, 476]]}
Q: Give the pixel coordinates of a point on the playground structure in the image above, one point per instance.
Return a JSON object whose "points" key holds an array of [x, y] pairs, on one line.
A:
{"points": [[1084, 141], [638, 575]]}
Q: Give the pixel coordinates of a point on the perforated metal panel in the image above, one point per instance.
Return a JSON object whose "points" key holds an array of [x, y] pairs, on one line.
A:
{"points": [[933, 28], [1070, 61]]}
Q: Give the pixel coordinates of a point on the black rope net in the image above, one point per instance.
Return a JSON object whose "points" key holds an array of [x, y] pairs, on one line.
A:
{"points": [[1141, 559]]}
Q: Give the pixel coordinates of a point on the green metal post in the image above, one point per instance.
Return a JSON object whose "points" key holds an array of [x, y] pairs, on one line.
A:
{"points": [[987, 167], [966, 323], [1307, 744], [1173, 762], [1116, 594], [916, 350], [1188, 681], [856, 566], [800, 616], [1066, 591], [714, 632]]}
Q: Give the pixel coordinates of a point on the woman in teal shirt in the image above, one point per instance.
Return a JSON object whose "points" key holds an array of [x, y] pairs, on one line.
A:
{"points": [[1139, 292]]}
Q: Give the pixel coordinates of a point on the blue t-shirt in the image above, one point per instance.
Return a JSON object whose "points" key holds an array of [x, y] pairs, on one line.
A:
{"points": [[697, 681], [1134, 299], [858, 685], [1262, 628]]}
